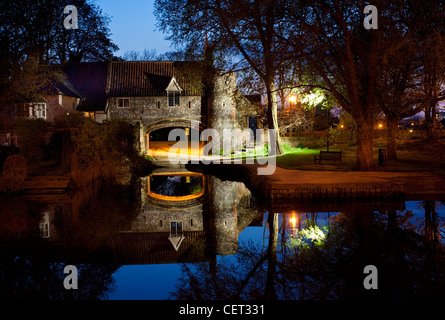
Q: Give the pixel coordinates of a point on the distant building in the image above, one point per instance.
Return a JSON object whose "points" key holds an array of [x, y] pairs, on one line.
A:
{"points": [[59, 98], [440, 116]]}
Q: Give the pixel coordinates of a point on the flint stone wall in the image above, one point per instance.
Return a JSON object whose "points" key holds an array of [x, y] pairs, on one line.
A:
{"points": [[151, 109]]}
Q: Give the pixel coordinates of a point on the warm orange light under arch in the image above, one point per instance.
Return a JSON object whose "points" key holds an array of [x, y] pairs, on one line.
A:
{"points": [[178, 198]]}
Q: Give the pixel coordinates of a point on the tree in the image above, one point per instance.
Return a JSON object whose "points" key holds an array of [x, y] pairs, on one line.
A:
{"points": [[38, 26], [433, 64], [349, 58], [145, 55], [244, 30], [399, 95], [412, 78], [90, 42], [32, 34]]}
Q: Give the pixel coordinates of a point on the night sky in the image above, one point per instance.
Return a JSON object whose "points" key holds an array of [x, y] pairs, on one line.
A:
{"points": [[133, 25]]}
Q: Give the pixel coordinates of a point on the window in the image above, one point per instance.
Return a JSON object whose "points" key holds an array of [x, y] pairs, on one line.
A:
{"points": [[159, 105], [37, 110], [176, 227], [190, 104], [123, 102], [173, 99], [44, 225], [173, 92], [44, 229]]}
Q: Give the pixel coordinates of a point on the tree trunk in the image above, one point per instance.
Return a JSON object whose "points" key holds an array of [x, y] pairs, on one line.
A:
{"points": [[269, 290], [272, 119], [365, 143], [391, 138], [430, 117], [431, 227]]}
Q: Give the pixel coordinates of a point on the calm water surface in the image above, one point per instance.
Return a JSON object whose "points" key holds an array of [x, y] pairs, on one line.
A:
{"points": [[187, 236]]}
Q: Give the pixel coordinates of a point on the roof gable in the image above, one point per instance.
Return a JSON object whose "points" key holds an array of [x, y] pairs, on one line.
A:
{"points": [[173, 86]]}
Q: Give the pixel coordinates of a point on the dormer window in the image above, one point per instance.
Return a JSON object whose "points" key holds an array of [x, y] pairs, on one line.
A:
{"points": [[173, 93]]}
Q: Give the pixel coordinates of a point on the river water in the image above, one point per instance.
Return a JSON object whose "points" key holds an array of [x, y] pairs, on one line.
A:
{"points": [[182, 235]]}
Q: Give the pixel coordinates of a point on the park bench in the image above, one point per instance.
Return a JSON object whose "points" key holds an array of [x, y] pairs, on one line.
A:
{"points": [[328, 156]]}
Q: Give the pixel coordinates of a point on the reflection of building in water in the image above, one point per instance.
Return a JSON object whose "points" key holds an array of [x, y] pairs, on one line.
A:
{"points": [[169, 227], [44, 225], [184, 217], [175, 217], [171, 202], [223, 214]]}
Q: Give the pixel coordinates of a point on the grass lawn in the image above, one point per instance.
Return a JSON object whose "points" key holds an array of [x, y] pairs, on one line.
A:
{"points": [[414, 155]]}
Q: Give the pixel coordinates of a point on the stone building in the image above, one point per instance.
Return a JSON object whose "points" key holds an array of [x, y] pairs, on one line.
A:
{"points": [[155, 96], [162, 95], [209, 209]]}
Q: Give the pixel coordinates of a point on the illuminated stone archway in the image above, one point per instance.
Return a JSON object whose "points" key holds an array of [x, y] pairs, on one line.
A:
{"points": [[147, 131]]}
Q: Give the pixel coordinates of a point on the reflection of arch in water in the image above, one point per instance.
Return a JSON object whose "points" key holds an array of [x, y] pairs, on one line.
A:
{"points": [[181, 188]]}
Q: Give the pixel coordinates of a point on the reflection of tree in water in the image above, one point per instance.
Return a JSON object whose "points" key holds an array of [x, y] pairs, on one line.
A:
{"points": [[32, 267], [327, 262], [95, 216], [34, 279]]}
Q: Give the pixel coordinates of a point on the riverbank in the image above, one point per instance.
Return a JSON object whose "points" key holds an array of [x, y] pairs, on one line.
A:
{"points": [[291, 185], [286, 185]]}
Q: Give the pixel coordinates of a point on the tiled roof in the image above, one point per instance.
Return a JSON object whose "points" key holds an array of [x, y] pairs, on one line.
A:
{"points": [[151, 78], [59, 84], [94, 82], [54, 83], [90, 80], [154, 247]]}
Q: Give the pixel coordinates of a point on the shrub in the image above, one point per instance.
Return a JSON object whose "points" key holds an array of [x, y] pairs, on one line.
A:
{"points": [[314, 142], [105, 152], [30, 133], [14, 172]]}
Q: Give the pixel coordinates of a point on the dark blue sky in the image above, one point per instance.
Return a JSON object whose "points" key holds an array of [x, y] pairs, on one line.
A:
{"points": [[133, 25]]}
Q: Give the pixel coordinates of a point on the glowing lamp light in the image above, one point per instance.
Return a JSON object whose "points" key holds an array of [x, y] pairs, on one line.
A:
{"points": [[411, 130], [380, 125], [292, 98], [293, 221], [342, 126]]}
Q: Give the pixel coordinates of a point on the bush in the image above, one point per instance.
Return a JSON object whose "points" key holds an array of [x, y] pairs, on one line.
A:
{"points": [[104, 152], [14, 173], [30, 133], [315, 142]]}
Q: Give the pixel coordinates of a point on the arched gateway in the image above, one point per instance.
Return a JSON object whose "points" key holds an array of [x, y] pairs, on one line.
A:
{"points": [[154, 136]]}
